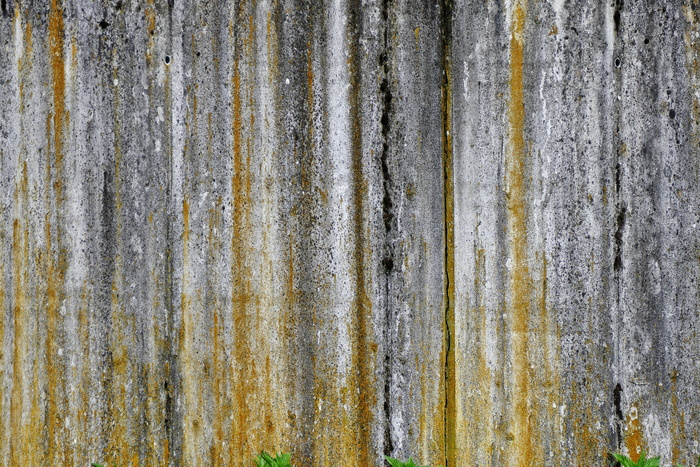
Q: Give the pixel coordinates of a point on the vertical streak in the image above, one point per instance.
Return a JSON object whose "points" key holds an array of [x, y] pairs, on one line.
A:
{"points": [[189, 447], [55, 262], [244, 366], [19, 443], [519, 280], [362, 379], [448, 165]]}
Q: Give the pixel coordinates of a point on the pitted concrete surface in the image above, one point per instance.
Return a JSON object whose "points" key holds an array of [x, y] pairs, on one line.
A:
{"points": [[463, 231]]}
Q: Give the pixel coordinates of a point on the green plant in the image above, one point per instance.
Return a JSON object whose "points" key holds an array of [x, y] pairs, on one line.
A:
{"points": [[266, 460], [398, 463], [642, 462]]}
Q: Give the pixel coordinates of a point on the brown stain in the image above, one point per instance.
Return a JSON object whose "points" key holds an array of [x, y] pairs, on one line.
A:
{"points": [[19, 268], [361, 381], [522, 451], [582, 420], [219, 374], [20, 445], [83, 434], [186, 337], [150, 30], [55, 266], [634, 439], [479, 431], [119, 447], [25, 62], [678, 432], [243, 371]]}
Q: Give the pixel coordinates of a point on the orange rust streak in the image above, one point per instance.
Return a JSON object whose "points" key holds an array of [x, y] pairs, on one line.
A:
{"points": [[634, 440], [19, 442], [519, 281], [186, 336], [449, 339], [480, 411], [55, 267], [240, 445], [361, 380]]}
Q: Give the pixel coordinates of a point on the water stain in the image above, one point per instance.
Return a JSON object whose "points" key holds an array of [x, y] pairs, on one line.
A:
{"points": [[243, 371], [521, 451], [361, 380], [55, 263], [634, 439], [19, 431]]}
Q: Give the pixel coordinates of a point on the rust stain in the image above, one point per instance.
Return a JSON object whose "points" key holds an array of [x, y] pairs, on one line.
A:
{"points": [[219, 374], [479, 431], [634, 440], [25, 62], [150, 30], [677, 418], [85, 436], [522, 451], [186, 337], [241, 445], [361, 381], [118, 445], [19, 432], [55, 267]]}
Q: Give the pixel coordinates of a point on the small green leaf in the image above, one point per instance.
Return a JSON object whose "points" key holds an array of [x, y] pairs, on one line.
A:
{"points": [[394, 462]]}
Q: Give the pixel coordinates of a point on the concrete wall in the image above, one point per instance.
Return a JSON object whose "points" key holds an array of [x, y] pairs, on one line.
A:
{"points": [[465, 231]]}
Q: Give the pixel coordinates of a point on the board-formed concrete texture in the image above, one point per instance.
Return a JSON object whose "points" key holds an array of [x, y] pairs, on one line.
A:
{"points": [[461, 230]]}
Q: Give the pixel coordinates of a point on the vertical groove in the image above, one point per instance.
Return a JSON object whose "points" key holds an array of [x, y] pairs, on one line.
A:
{"points": [[388, 217], [448, 164]]}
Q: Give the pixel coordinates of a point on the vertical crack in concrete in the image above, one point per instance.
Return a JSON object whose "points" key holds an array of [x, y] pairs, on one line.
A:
{"points": [[388, 217], [449, 344]]}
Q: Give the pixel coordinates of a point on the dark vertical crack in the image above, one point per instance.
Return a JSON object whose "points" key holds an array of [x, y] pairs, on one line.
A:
{"points": [[616, 17], [620, 225], [449, 350], [617, 401], [388, 218]]}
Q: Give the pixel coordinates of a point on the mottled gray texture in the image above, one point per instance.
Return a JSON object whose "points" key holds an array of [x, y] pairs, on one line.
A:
{"points": [[465, 231]]}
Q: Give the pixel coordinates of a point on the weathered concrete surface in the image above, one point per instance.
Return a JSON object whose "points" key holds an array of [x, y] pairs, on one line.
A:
{"points": [[465, 231]]}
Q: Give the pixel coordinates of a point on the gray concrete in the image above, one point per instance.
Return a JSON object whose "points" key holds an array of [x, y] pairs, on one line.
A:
{"points": [[465, 231]]}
